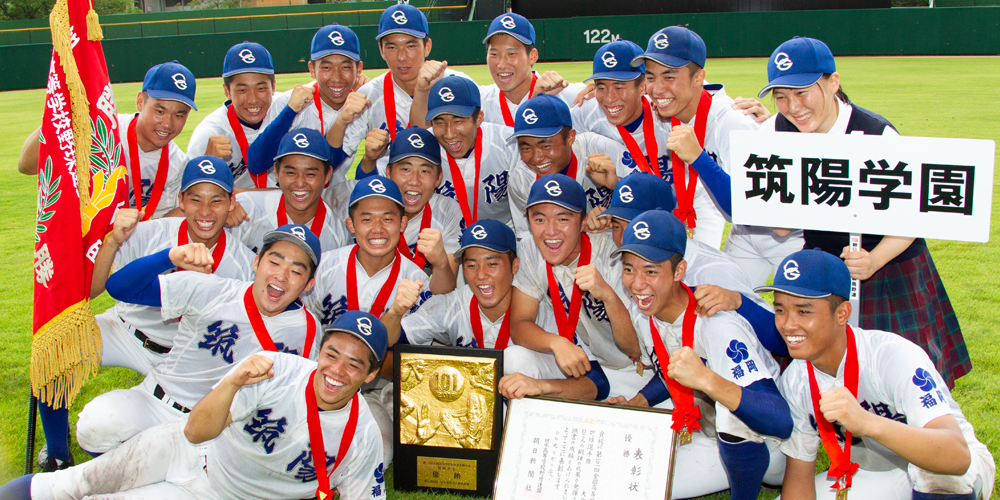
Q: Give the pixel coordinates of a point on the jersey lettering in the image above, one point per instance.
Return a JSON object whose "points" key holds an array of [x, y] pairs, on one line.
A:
{"points": [[379, 479], [221, 341], [307, 471], [594, 308], [495, 187], [265, 430], [280, 346], [426, 294], [599, 197], [446, 189], [332, 310]]}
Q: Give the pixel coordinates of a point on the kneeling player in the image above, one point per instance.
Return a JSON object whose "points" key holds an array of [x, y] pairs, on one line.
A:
{"points": [[263, 425], [717, 357], [875, 388]]}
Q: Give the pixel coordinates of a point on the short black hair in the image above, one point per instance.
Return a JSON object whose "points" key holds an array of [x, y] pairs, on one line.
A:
{"points": [[835, 301], [350, 211], [227, 80], [267, 246], [373, 363]]}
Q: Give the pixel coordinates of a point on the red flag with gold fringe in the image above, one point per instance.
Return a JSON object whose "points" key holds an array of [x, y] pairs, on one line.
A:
{"points": [[81, 181]]}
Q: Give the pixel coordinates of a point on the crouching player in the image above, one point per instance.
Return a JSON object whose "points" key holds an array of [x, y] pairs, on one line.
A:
{"points": [[263, 425], [694, 357], [908, 437]]}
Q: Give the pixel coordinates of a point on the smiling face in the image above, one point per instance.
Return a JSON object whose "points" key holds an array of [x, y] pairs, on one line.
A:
{"points": [[653, 285], [620, 101], [335, 75], [812, 329], [490, 275], [812, 109], [159, 121], [206, 207], [342, 368], [556, 231], [417, 179], [456, 134], [617, 229], [251, 94], [376, 224], [283, 271], [301, 179], [404, 54], [510, 62], [674, 91], [546, 155]]}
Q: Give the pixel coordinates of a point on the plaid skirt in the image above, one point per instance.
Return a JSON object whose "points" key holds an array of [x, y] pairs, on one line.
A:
{"points": [[909, 299]]}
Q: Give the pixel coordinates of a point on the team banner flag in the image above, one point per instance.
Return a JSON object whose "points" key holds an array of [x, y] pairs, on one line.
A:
{"points": [[81, 181]]}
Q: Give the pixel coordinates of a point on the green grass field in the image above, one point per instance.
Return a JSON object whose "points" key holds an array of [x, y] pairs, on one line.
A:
{"points": [[902, 89]]}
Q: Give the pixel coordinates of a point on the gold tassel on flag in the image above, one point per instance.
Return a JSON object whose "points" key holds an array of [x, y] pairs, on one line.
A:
{"points": [[94, 33]]}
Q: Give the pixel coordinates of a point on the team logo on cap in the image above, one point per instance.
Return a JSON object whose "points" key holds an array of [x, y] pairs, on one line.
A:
{"points": [[179, 81], [336, 38], [377, 186], [552, 187], [479, 233], [508, 22], [399, 16], [365, 326], [301, 140], [660, 41], [247, 56], [415, 141], [641, 230], [782, 61], [299, 232], [625, 193], [529, 116], [609, 59], [791, 270], [207, 167], [446, 95]]}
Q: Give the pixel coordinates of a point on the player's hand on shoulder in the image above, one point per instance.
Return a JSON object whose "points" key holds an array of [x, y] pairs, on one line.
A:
{"points": [[839, 405], [713, 298], [353, 107], [360, 81], [302, 96], [376, 143], [519, 385], [193, 257], [407, 294], [596, 223], [237, 215], [219, 147], [570, 357], [430, 73], [601, 169], [589, 279], [255, 369], [753, 108], [125, 222], [431, 244], [687, 368], [586, 94], [684, 143], [550, 83]]}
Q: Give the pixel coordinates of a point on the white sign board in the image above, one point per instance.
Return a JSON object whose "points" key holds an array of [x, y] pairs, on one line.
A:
{"points": [[561, 449], [869, 184]]}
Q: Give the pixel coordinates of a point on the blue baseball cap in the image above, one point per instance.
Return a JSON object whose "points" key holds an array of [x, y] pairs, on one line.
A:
{"points": [[304, 141], [170, 81], [639, 192], [301, 236], [541, 116], [402, 18], [674, 47], [655, 235], [798, 63], [559, 189], [415, 141], [811, 274], [453, 95], [376, 186], [247, 57], [489, 234], [514, 25], [335, 39], [613, 61], [207, 169], [366, 327]]}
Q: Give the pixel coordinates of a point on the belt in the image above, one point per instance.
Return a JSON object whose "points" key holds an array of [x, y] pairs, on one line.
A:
{"points": [[159, 394], [149, 344]]}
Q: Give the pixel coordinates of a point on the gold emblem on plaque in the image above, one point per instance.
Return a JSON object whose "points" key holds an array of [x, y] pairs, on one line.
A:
{"points": [[446, 401]]}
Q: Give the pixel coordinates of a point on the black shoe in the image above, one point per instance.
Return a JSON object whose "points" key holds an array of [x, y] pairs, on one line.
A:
{"points": [[51, 464]]}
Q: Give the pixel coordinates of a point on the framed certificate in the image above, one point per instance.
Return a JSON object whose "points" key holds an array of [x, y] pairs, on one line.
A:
{"points": [[556, 448]]}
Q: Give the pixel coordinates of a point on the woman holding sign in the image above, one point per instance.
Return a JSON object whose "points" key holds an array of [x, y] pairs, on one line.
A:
{"points": [[901, 289]]}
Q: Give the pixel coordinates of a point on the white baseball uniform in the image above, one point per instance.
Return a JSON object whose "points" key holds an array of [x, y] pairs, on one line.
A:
{"points": [[262, 209], [309, 118], [489, 96], [898, 381], [445, 319], [149, 162], [497, 158]]}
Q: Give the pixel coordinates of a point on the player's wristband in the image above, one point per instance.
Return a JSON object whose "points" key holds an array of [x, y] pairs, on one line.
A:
{"points": [[716, 180], [597, 376], [139, 281], [261, 153], [654, 391], [763, 409]]}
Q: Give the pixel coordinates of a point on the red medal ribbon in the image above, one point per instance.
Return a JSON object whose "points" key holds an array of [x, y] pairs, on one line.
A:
{"points": [[570, 169], [841, 467], [508, 119], [259, 180], [461, 194], [417, 257], [352, 285], [260, 330], [217, 254], [319, 108], [649, 137], [389, 102], [567, 323], [318, 220], [316, 438], [136, 171], [477, 326], [686, 413], [685, 190]]}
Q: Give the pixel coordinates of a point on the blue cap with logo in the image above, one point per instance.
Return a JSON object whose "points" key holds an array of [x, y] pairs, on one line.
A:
{"points": [[247, 57], [335, 39], [798, 63], [489, 234], [638, 192], [541, 116], [613, 61], [301, 236], [514, 25], [811, 274], [674, 47], [304, 141], [366, 327], [170, 81], [376, 186], [402, 18], [453, 95], [559, 189], [655, 235], [207, 169], [415, 141]]}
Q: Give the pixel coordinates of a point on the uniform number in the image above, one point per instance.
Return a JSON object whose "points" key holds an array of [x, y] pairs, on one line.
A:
{"points": [[600, 36]]}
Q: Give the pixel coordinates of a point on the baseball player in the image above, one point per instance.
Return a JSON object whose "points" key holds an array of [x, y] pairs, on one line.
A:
{"points": [[217, 316], [873, 390], [548, 144], [228, 132], [718, 357], [257, 434], [302, 166]]}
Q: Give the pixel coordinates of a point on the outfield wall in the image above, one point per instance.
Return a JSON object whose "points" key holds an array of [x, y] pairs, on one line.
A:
{"points": [[938, 31]]}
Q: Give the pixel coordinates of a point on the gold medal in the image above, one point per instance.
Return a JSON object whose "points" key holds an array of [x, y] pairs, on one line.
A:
{"points": [[842, 494], [639, 368], [690, 232], [686, 438]]}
